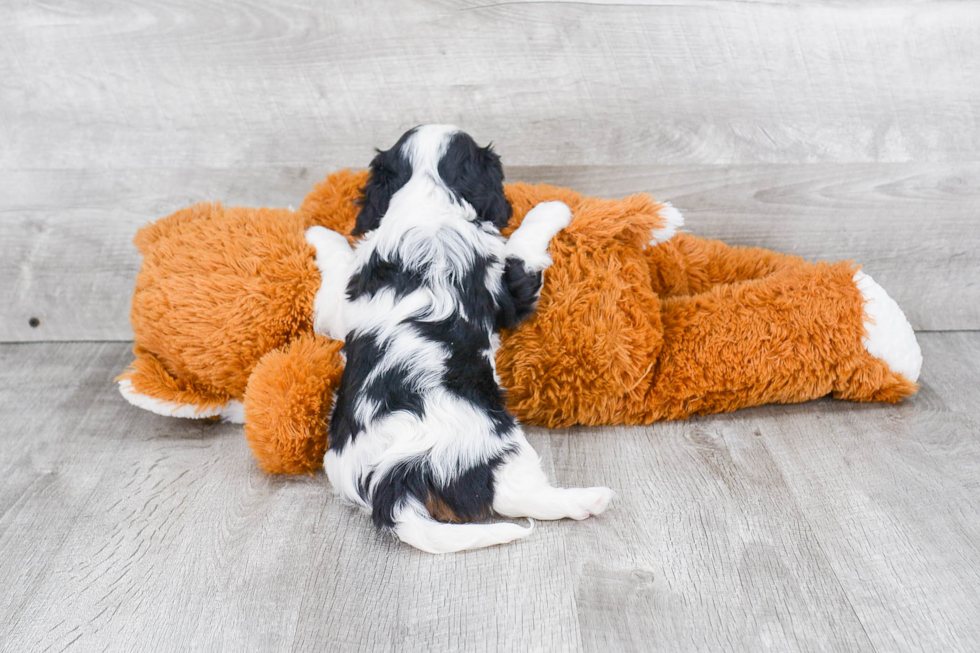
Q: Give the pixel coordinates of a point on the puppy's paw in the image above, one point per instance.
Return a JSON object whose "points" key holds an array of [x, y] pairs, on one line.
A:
{"points": [[590, 501], [326, 240], [550, 217], [531, 240]]}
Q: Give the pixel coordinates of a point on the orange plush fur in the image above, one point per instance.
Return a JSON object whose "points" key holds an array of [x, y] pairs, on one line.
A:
{"points": [[625, 333]]}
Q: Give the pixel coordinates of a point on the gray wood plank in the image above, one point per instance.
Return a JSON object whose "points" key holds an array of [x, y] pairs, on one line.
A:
{"points": [[114, 85], [114, 114], [821, 526], [67, 236], [901, 524], [706, 549], [69, 261], [126, 531], [825, 515]]}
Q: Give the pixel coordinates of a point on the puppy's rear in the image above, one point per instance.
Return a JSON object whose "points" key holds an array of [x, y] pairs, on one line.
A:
{"points": [[420, 428]]}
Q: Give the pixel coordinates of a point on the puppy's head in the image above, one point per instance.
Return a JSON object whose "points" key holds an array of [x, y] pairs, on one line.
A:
{"points": [[448, 157]]}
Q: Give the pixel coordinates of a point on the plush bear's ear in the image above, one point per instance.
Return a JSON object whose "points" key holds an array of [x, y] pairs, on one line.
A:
{"points": [[390, 170]]}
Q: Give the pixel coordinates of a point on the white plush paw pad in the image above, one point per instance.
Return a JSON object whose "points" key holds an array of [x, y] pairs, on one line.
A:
{"points": [[673, 220], [889, 335], [589, 501], [233, 411]]}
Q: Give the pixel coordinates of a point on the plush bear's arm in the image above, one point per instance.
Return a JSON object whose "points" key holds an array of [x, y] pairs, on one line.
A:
{"points": [[288, 402]]}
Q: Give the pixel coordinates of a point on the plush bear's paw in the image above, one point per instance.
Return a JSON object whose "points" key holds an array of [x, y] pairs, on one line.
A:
{"points": [[889, 335], [530, 241], [673, 220], [230, 410]]}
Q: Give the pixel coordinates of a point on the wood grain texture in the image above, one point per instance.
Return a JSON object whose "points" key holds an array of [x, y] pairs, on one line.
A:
{"points": [[69, 260], [816, 527], [829, 129], [106, 84]]}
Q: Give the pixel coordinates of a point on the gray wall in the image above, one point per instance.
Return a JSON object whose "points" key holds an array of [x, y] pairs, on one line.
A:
{"points": [[845, 129]]}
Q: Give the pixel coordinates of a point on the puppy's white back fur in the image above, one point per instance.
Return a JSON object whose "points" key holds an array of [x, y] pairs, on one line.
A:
{"points": [[435, 233]]}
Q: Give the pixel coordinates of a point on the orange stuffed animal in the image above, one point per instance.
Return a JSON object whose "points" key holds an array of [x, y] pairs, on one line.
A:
{"points": [[636, 323]]}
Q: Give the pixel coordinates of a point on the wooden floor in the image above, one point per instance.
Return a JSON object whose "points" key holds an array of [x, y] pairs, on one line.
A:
{"points": [[823, 526]]}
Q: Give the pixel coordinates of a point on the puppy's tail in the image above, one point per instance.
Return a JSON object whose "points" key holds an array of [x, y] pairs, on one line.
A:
{"points": [[414, 526]]}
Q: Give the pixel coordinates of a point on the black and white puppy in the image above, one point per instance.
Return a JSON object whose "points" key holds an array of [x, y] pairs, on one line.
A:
{"points": [[419, 427]]}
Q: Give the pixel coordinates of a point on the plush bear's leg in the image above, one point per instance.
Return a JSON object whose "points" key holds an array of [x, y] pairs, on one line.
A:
{"points": [[147, 384], [688, 265], [797, 334], [288, 402], [888, 337]]}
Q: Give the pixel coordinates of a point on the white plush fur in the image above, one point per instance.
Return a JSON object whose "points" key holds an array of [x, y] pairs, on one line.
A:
{"points": [[233, 411], [889, 335], [673, 220]]}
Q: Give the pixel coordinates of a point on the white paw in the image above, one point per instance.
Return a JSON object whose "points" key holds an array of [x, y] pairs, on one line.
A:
{"points": [[334, 259], [553, 216], [325, 240], [673, 220], [889, 335], [589, 501], [530, 241]]}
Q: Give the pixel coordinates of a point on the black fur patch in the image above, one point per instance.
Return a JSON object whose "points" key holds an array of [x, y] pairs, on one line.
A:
{"points": [[391, 390], [520, 296], [469, 496], [409, 479], [361, 352], [474, 174], [390, 170], [379, 274]]}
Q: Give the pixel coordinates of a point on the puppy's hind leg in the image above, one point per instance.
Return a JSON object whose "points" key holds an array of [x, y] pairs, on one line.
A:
{"points": [[521, 489]]}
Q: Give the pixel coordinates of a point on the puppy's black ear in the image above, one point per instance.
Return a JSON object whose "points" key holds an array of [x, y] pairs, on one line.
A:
{"points": [[389, 172], [474, 174], [493, 206]]}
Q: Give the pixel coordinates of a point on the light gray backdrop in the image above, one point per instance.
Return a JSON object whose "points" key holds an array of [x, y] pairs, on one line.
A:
{"points": [[835, 130]]}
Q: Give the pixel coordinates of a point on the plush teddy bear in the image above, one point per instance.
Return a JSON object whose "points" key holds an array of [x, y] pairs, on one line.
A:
{"points": [[636, 322]]}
